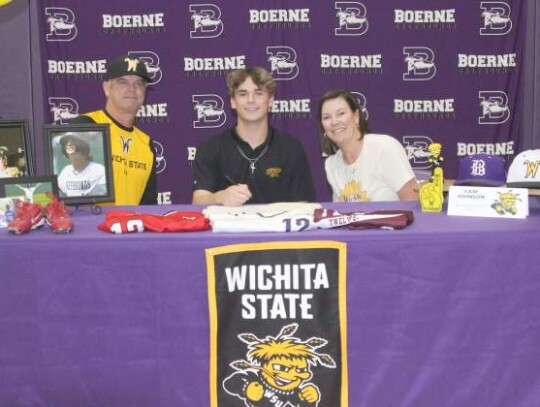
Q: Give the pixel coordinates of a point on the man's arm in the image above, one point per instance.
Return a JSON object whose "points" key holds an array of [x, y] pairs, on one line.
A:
{"points": [[206, 175], [409, 191]]}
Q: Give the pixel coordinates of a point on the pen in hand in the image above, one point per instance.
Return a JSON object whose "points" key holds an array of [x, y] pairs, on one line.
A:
{"points": [[231, 181]]}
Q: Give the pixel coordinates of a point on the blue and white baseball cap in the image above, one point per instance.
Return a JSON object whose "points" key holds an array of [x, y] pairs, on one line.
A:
{"points": [[481, 170]]}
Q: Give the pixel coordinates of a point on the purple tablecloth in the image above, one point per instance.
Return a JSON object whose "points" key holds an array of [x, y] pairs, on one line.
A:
{"points": [[443, 313]]}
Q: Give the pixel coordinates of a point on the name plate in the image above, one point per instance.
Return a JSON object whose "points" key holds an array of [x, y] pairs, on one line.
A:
{"points": [[510, 203]]}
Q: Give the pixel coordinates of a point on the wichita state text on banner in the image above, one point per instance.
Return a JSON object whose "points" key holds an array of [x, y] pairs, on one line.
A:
{"points": [[278, 324]]}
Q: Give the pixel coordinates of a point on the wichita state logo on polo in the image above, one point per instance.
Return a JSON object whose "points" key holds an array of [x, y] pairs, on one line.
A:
{"points": [[416, 19], [152, 62], [419, 64], [205, 21], [61, 24], [133, 23], [279, 18], [63, 109], [209, 111], [494, 107], [424, 108], [283, 62], [495, 18], [351, 18]]}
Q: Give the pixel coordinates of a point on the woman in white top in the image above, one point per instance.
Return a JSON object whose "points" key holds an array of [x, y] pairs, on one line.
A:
{"points": [[361, 166]]}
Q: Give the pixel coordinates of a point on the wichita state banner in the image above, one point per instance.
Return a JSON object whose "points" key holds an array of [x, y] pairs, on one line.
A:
{"points": [[278, 324]]}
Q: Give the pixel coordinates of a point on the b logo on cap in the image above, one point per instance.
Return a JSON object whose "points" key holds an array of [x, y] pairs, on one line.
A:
{"points": [[478, 168], [132, 64]]}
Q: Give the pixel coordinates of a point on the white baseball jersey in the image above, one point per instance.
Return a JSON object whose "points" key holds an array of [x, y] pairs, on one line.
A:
{"points": [[276, 217], [90, 181]]}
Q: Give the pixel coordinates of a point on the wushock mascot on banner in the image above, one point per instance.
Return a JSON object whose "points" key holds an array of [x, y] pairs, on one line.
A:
{"points": [[278, 370]]}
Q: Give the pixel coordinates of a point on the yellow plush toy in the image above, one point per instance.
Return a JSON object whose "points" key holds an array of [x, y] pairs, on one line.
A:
{"points": [[4, 2], [431, 193]]}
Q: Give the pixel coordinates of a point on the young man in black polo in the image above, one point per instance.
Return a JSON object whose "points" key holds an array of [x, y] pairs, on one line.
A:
{"points": [[252, 162]]}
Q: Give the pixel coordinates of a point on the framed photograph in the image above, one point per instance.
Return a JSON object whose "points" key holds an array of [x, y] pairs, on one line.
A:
{"points": [[29, 189], [15, 151], [80, 156]]}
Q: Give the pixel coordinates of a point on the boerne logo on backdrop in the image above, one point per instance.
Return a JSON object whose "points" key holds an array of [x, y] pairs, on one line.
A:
{"points": [[282, 59], [209, 110], [191, 152], [425, 19], [419, 64], [424, 108], [351, 18], [495, 18], [279, 18], [352, 64], [417, 151], [278, 324], [133, 23], [153, 113], [362, 102], [77, 70], [63, 109], [151, 60], [494, 107], [196, 66], [289, 108], [161, 162], [487, 63], [61, 23], [205, 21]]}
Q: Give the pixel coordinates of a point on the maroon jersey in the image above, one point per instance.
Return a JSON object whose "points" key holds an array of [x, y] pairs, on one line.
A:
{"points": [[385, 219]]}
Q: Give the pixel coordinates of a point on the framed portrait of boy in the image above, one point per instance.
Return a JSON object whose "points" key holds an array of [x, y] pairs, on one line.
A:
{"points": [[15, 151], [29, 189], [80, 156]]}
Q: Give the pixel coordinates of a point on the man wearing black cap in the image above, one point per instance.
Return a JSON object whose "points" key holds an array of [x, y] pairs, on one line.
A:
{"points": [[133, 157]]}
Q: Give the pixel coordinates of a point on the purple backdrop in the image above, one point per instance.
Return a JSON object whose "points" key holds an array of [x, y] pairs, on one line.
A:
{"points": [[423, 72]]}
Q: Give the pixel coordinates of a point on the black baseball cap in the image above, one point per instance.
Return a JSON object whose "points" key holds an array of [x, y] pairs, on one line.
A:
{"points": [[126, 65]]}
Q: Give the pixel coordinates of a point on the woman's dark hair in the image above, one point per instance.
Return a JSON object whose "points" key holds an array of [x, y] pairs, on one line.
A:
{"points": [[328, 146], [81, 145]]}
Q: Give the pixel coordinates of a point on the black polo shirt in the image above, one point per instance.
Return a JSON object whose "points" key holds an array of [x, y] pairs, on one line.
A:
{"points": [[281, 170]]}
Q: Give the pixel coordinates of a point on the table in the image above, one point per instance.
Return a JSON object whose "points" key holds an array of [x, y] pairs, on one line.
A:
{"points": [[443, 313]]}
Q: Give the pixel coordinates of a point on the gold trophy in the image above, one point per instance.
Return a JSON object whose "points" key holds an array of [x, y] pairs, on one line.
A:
{"points": [[431, 193]]}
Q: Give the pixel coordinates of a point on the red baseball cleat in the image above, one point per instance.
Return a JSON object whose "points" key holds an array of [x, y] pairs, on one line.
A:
{"points": [[57, 215], [29, 216]]}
